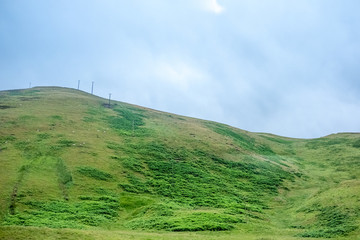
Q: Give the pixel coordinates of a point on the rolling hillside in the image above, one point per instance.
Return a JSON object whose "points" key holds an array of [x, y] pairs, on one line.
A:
{"points": [[73, 167]]}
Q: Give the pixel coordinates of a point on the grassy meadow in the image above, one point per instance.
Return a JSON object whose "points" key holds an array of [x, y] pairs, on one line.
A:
{"points": [[73, 167]]}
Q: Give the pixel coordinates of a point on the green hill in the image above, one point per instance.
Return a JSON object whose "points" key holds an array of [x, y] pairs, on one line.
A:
{"points": [[73, 167]]}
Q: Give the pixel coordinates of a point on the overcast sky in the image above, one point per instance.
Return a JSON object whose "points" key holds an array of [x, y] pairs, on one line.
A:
{"points": [[288, 67]]}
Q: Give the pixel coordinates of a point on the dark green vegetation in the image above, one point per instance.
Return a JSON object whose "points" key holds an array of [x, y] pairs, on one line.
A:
{"points": [[70, 162]]}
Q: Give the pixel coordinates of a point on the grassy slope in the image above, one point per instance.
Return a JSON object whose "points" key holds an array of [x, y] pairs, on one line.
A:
{"points": [[69, 161]]}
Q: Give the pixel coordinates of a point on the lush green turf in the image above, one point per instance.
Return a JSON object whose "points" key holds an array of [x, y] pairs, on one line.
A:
{"points": [[73, 167]]}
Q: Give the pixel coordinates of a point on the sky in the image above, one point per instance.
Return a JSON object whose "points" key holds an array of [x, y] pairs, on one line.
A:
{"points": [[286, 67]]}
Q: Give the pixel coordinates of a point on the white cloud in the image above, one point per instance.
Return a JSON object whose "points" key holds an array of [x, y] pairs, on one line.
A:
{"points": [[178, 74], [213, 6]]}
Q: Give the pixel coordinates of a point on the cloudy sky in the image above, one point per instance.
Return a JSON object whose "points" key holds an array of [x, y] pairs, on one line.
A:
{"points": [[288, 67]]}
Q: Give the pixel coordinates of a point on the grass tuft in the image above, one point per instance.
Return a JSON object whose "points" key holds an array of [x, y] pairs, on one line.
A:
{"points": [[95, 173]]}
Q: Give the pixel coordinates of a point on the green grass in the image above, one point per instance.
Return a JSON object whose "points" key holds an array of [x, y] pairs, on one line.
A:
{"points": [[332, 221], [162, 218], [61, 214], [94, 173], [78, 169]]}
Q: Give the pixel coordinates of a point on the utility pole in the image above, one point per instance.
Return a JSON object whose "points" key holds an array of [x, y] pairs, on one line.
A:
{"points": [[29, 84], [78, 84], [109, 99], [92, 87]]}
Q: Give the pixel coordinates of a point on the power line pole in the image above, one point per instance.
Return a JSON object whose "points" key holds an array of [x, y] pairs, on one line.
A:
{"points": [[92, 87], [78, 84], [109, 99], [29, 84]]}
